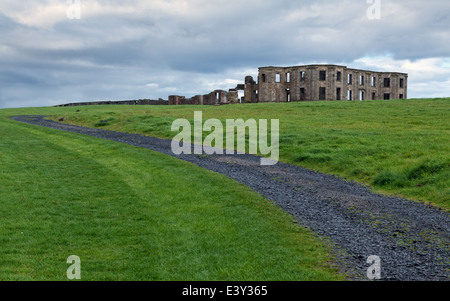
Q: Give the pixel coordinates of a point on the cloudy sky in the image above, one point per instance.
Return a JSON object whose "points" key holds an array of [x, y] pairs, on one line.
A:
{"points": [[60, 51]]}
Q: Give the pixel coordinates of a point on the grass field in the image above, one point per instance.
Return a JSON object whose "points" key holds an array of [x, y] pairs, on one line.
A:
{"points": [[133, 214], [398, 147]]}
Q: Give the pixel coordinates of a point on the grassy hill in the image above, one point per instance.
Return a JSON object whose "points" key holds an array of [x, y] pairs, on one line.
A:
{"points": [[133, 214], [398, 147], [125, 212]]}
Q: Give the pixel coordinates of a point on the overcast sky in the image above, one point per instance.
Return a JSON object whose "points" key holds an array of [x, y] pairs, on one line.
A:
{"points": [[118, 50]]}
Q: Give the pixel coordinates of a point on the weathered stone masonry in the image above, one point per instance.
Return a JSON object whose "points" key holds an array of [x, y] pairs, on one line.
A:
{"points": [[328, 82], [146, 102], [217, 97], [308, 83]]}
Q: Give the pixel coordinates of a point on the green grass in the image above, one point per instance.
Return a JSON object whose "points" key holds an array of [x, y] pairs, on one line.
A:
{"points": [[397, 147], [134, 214]]}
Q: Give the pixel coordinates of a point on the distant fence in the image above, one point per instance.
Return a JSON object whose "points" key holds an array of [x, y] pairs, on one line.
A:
{"points": [[144, 102]]}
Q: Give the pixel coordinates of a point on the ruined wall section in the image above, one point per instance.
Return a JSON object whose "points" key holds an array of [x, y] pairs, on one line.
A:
{"points": [[251, 90], [369, 85], [362, 85], [328, 82], [217, 97], [393, 86], [233, 96], [143, 102], [301, 83], [308, 83], [273, 84]]}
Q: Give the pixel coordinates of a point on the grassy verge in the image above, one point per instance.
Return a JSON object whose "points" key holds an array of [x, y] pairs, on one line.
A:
{"points": [[133, 214], [398, 147]]}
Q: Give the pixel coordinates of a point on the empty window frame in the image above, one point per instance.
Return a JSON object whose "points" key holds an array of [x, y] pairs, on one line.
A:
{"points": [[361, 95], [349, 95], [302, 94], [255, 96], [401, 82], [288, 77], [241, 96], [339, 76], [322, 93], [373, 81], [349, 79], [302, 75], [277, 78], [322, 75], [263, 78], [387, 82], [338, 94]]}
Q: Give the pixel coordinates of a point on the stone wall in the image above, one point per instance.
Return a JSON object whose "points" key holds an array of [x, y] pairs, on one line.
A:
{"points": [[216, 97], [147, 102], [328, 82], [296, 83]]}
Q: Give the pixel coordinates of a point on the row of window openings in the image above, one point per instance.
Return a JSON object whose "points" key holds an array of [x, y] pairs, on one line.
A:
{"points": [[288, 77], [323, 77], [323, 91]]}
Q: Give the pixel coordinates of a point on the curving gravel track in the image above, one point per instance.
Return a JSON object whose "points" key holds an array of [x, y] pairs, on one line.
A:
{"points": [[411, 239]]}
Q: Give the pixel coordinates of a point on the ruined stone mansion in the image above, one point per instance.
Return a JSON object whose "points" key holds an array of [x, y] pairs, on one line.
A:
{"points": [[307, 83]]}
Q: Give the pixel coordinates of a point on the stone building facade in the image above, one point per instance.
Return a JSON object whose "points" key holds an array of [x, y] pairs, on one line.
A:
{"points": [[307, 83], [328, 82]]}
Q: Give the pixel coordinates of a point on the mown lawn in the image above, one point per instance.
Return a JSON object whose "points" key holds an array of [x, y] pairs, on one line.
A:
{"points": [[398, 147], [133, 214]]}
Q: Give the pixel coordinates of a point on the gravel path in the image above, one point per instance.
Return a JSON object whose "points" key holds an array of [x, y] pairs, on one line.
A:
{"points": [[411, 239]]}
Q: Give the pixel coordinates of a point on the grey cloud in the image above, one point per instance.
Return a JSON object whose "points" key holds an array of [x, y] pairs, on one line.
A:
{"points": [[113, 55]]}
